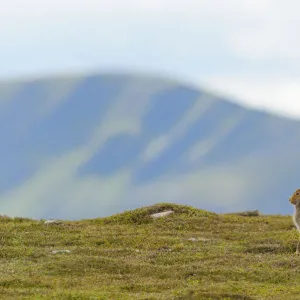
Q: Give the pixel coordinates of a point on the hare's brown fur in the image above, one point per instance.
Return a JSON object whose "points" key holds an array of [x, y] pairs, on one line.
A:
{"points": [[295, 200]]}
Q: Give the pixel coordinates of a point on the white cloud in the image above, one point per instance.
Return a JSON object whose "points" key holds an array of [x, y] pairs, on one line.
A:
{"points": [[260, 29], [277, 94], [258, 38], [271, 35]]}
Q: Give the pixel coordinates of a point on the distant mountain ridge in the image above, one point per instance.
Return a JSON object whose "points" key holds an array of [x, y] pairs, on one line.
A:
{"points": [[87, 146]]}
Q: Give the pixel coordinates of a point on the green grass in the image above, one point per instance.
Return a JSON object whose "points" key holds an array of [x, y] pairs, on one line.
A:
{"points": [[131, 256]]}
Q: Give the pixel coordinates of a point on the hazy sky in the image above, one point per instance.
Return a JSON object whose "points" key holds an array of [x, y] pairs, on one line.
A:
{"points": [[249, 49]]}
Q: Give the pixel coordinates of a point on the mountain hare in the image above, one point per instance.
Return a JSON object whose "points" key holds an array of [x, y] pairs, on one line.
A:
{"points": [[295, 200]]}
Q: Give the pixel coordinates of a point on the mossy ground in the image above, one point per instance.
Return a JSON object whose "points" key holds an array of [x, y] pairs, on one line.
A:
{"points": [[131, 256]]}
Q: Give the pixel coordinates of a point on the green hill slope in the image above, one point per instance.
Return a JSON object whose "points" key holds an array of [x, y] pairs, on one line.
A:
{"points": [[190, 254]]}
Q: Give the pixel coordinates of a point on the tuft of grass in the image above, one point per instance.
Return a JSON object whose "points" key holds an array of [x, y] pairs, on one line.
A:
{"points": [[191, 254]]}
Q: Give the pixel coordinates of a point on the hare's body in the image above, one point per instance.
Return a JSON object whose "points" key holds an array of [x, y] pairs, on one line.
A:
{"points": [[296, 216], [295, 200]]}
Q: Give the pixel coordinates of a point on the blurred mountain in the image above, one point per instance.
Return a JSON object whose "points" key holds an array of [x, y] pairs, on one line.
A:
{"points": [[88, 146]]}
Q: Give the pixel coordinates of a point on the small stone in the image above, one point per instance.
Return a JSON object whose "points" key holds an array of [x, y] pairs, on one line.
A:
{"points": [[51, 222], [203, 239], [162, 214], [60, 251], [200, 239], [192, 240]]}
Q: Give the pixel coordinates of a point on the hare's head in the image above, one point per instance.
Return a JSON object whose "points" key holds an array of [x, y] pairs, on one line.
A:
{"points": [[295, 198]]}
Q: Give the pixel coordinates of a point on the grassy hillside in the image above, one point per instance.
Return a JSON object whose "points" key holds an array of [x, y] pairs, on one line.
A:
{"points": [[191, 254]]}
